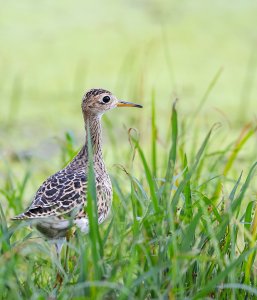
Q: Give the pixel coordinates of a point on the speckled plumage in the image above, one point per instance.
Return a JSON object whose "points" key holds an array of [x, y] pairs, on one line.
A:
{"points": [[59, 202]]}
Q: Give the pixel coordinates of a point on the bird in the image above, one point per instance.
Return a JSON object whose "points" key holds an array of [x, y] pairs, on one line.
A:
{"points": [[60, 202]]}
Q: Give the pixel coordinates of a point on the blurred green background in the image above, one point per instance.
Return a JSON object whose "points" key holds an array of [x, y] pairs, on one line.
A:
{"points": [[52, 52]]}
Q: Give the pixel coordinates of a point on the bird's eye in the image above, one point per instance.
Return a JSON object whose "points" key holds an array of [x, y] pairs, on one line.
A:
{"points": [[106, 99]]}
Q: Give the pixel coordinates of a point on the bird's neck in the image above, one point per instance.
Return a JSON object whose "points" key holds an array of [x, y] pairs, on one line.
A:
{"points": [[94, 134]]}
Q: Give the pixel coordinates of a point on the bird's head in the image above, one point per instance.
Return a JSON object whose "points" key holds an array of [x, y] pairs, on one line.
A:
{"points": [[98, 101]]}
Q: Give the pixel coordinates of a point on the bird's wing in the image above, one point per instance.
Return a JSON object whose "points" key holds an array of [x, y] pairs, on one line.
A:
{"points": [[58, 195]]}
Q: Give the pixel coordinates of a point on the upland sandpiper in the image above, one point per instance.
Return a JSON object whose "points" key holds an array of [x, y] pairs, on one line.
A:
{"points": [[59, 202]]}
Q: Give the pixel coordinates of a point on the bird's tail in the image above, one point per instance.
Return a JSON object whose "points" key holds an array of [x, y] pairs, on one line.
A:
{"points": [[20, 217]]}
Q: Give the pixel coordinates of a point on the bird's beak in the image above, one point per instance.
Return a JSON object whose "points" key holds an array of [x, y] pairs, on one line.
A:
{"points": [[128, 104]]}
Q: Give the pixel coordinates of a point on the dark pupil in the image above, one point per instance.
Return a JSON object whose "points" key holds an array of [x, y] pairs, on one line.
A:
{"points": [[106, 99]]}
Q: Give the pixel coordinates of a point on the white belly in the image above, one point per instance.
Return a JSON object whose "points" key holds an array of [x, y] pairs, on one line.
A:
{"points": [[82, 224]]}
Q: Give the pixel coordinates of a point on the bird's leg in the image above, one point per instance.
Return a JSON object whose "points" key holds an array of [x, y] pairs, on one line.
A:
{"points": [[58, 246], [59, 278], [68, 236]]}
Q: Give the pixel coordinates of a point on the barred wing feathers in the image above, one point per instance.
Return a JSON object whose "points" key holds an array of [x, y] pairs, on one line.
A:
{"points": [[58, 195]]}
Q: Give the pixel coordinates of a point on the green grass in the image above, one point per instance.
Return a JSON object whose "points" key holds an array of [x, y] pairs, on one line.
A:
{"points": [[184, 232], [184, 216]]}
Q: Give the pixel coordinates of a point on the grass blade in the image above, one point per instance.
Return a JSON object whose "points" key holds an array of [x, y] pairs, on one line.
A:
{"points": [[91, 209]]}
